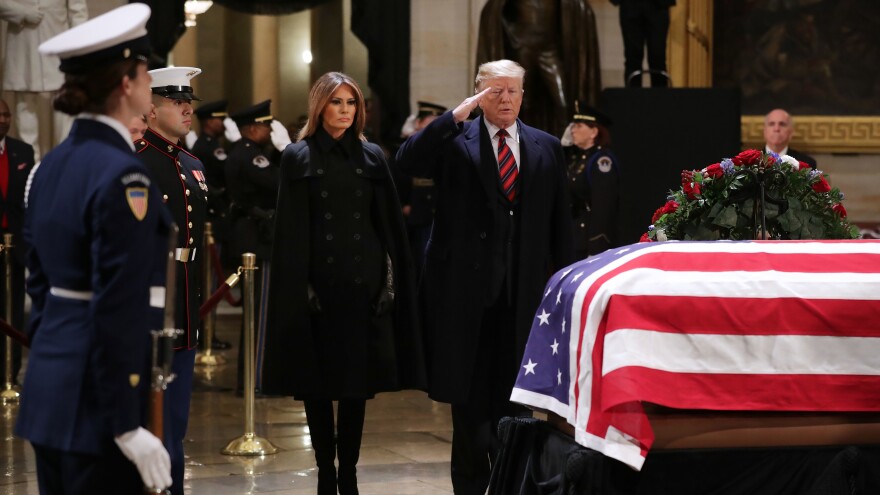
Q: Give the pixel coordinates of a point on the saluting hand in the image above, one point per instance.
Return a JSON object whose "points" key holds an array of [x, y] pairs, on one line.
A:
{"points": [[464, 109]]}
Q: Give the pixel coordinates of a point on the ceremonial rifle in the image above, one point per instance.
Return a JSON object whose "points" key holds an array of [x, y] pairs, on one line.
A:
{"points": [[163, 350]]}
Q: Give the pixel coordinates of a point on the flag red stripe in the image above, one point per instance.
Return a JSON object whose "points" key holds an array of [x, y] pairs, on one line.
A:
{"points": [[744, 316], [740, 392]]}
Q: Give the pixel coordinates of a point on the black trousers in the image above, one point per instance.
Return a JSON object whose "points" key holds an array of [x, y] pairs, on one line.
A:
{"points": [[475, 442], [69, 473], [644, 23]]}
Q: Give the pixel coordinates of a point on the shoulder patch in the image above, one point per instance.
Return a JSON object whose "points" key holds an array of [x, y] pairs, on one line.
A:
{"points": [[137, 201], [220, 154], [604, 164], [261, 161]]}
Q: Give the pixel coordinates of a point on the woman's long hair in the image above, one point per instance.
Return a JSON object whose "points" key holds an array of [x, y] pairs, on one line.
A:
{"points": [[320, 95], [88, 92]]}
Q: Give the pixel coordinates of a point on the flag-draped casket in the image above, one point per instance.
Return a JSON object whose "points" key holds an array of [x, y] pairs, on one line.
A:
{"points": [[723, 326]]}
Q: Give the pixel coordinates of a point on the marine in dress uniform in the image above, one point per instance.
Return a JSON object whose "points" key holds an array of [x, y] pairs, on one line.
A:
{"points": [[594, 185], [98, 237], [181, 179], [16, 161]]}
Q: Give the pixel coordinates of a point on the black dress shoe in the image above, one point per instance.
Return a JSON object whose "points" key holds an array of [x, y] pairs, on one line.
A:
{"points": [[219, 345]]}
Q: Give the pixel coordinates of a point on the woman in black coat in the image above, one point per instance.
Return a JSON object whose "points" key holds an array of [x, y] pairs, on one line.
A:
{"points": [[341, 321]]}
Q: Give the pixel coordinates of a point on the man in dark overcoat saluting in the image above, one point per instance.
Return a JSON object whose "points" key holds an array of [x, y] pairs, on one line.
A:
{"points": [[501, 228]]}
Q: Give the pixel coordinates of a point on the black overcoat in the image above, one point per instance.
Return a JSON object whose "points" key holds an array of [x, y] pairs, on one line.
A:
{"points": [[392, 344], [458, 265]]}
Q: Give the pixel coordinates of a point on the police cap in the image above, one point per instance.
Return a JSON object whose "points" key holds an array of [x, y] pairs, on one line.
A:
{"points": [[255, 114], [428, 109], [590, 115], [117, 35], [213, 109]]}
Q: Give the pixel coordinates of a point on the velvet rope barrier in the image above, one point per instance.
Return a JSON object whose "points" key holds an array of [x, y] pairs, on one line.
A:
{"points": [[14, 333], [218, 273], [221, 291]]}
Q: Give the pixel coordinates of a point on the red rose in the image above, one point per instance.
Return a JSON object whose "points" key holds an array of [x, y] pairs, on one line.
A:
{"points": [[645, 238], [747, 157], [839, 209], [821, 185], [803, 165], [714, 171], [669, 207], [657, 214], [692, 189]]}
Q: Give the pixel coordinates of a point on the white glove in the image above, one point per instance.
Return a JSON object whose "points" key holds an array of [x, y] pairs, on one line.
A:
{"points": [[149, 455], [232, 133], [280, 136], [31, 15], [190, 139]]}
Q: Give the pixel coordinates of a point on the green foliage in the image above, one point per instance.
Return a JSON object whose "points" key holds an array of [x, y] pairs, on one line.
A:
{"points": [[724, 201]]}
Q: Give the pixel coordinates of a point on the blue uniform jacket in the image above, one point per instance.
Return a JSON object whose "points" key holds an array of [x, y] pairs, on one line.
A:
{"points": [[98, 237]]}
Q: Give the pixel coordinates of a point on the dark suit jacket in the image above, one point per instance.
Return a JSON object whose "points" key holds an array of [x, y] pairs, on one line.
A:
{"points": [[21, 161], [459, 258]]}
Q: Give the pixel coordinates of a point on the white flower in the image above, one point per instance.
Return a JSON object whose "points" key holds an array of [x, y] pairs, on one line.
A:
{"points": [[661, 235], [791, 161]]}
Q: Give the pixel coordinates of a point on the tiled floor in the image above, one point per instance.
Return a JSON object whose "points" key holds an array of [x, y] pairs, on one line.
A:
{"points": [[406, 444]]}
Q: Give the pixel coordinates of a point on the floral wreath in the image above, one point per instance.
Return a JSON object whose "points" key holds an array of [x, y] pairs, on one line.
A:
{"points": [[753, 195]]}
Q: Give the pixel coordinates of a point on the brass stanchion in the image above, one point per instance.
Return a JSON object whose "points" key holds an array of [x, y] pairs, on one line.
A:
{"points": [[10, 393], [249, 443], [207, 357]]}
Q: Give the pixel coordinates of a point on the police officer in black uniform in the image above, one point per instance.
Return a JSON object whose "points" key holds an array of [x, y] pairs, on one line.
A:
{"points": [[252, 171], [209, 149], [181, 179], [417, 194], [593, 180], [252, 182]]}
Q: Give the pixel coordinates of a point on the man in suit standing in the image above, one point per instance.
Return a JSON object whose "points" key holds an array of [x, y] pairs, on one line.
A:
{"points": [[16, 161], [778, 129], [501, 228]]}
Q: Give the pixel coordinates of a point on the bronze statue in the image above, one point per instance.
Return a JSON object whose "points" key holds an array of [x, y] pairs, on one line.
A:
{"points": [[555, 41]]}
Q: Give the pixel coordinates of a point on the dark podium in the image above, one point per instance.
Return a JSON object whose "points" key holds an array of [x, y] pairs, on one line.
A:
{"points": [[657, 133]]}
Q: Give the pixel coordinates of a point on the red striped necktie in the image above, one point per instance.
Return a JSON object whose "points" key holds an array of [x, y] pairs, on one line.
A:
{"points": [[507, 169]]}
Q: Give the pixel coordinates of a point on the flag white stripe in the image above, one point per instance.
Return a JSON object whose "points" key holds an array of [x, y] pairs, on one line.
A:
{"points": [[739, 354], [739, 284]]}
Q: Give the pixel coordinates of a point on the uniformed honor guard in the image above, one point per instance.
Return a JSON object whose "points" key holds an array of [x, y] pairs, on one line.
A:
{"points": [[209, 148], [417, 194], [252, 180], [181, 179], [593, 181], [98, 237]]}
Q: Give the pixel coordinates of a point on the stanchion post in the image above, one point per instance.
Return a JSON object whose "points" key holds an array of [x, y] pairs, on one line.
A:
{"points": [[206, 357], [249, 443], [10, 394]]}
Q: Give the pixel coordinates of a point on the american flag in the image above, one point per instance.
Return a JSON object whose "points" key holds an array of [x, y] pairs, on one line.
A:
{"points": [[762, 326]]}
